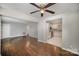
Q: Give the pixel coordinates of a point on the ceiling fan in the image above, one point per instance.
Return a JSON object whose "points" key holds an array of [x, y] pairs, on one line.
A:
{"points": [[43, 8]]}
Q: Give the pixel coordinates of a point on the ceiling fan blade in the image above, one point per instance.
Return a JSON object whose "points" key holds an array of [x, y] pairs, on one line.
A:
{"points": [[41, 14], [48, 5], [35, 5], [34, 11], [50, 11]]}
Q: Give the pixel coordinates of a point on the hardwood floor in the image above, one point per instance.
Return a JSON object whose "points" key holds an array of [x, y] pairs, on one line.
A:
{"points": [[29, 46]]}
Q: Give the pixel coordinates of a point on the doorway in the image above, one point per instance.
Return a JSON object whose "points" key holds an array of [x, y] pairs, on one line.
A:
{"points": [[55, 32]]}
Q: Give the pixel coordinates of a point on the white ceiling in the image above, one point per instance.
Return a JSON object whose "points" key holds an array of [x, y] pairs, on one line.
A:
{"points": [[26, 8]]}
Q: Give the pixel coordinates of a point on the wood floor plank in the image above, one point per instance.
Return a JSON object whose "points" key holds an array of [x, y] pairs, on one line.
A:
{"points": [[29, 46]]}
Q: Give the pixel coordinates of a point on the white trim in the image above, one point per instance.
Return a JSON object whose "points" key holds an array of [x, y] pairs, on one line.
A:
{"points": [[70, 50], [11, 37], [41, 41], [61, 47]]}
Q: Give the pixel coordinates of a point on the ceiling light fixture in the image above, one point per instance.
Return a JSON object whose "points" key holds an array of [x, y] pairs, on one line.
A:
{"points": [[43, 8], [42, 11]]}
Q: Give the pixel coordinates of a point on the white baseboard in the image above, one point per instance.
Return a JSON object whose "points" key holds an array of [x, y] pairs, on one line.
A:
{"points": [[41, 41], [71, 51], [61, 47], [11, 37]]}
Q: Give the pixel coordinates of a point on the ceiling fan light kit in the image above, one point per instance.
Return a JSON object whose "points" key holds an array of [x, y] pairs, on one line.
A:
{"points": [[43, 8], [42, 11]]}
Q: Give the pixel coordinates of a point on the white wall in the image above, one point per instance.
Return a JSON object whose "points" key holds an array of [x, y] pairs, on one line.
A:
{"points": [[17, 29], [6, 30], [32, 30], [69, 13], [70, 30], [13, 29]]}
